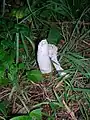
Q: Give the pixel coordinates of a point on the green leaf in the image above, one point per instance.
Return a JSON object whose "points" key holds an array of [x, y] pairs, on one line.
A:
{"points": [[21, 66], [55, 105], [54, 36], [7, 44], [19, 14], [34, 75], [2, 54], [82, 90], [33, 115], [2, 69], [36, 114], [22, 28], [8, 60], [21, 118], [46, 13], [3, 107], [4, 81]]}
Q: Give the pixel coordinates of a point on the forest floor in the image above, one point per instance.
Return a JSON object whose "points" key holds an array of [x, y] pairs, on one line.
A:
{"points": [[34, 95]]}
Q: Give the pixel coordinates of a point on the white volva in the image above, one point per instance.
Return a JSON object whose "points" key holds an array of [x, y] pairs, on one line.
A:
{"points": [[46, 55], [43, 57]]}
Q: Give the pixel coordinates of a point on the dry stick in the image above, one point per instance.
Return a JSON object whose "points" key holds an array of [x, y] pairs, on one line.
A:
{"points": [[18, 108], [60, 83], [13, 110], [86, 43], [4, 96], [2, 118], [27, 97], [3, 11], [5, 91], [69, 111], [23, 95], [12, 91], [23, 103], [66, 22]]}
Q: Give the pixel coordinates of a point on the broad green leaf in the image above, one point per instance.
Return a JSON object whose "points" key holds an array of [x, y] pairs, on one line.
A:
{"points": [[21, 66], [13, 12], [4, 81], [33, 115], [54, 36], [34, 75], [3, 107], [19, 14], [21, 118], [36, 114]]}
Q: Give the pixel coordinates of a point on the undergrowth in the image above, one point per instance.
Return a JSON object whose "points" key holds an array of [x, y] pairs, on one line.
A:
{"points": [[26, 94]]}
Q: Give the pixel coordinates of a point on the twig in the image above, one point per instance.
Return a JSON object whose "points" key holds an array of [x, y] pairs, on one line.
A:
{"points": [[4, 96], [67, 22], [2, 118], [23, 103], [12, 91], [3, 10], [69, 111], [86, 43], [60, 83], [24, 97], [27, 97], [14, 103], [5, 91]]}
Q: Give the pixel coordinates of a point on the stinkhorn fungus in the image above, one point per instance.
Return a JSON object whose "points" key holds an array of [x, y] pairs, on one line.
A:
{"points": [[46, 56], [47, 53]]}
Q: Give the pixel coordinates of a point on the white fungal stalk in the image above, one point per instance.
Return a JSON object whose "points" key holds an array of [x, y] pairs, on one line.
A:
{"points": [[43, 57]]}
